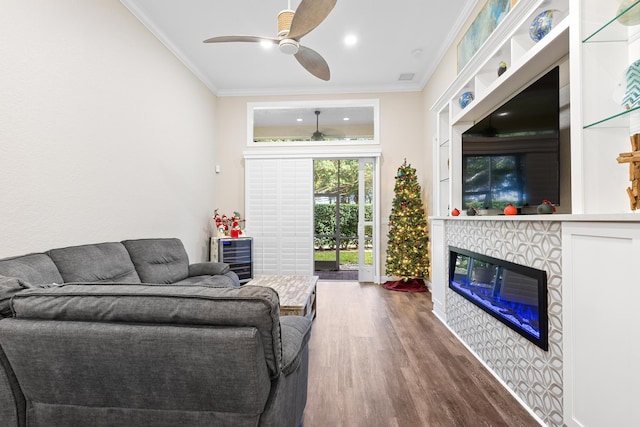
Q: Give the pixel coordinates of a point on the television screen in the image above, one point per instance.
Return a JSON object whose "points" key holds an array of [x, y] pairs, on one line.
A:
{"points": [[512, 155]]}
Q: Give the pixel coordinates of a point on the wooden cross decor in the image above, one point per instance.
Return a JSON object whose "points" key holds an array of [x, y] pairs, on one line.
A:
{"points": [[633, 158]]}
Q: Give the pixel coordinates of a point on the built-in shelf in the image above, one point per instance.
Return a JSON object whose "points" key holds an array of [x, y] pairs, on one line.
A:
{"points": [[526, 60], [548, 51], [612, 30], [620, 120]]}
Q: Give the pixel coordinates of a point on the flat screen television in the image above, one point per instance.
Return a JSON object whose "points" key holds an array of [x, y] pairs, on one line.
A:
{"points": [[512, 156]]}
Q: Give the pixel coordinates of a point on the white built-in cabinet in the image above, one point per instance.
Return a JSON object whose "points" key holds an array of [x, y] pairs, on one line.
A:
{"points": [[526, 60], [594, 55], [601, 235], [601, 344]]}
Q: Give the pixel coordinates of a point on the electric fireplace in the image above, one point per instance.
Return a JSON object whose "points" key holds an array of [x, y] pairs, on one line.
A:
{"points": [[514, 294]]}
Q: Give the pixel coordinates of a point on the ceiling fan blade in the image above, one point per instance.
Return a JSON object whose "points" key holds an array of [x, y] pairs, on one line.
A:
{"points": [[309, 14], [313, 63], [251, 39]]}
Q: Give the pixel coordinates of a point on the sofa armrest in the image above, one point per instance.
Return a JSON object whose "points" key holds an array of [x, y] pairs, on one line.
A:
{"points": [[295, 332], [208, 269]]}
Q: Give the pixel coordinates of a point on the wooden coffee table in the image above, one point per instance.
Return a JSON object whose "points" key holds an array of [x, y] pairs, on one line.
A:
{"points": [[297, 293]]}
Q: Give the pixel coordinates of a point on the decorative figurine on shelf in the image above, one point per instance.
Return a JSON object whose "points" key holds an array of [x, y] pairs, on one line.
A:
{"points": [[546, 207], [455, 212], [472, 211], [632, 93], [628, 13], [510, 210], [542, 24], [228, 225], [502, 68], [633, 158], [465, 99]]}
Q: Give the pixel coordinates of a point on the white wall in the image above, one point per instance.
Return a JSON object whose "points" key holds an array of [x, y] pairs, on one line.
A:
{"points": [[402, 118], [104, 134]]}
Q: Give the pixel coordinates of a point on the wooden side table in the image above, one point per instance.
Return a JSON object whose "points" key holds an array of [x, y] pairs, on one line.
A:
{"points": [[297, 293]]}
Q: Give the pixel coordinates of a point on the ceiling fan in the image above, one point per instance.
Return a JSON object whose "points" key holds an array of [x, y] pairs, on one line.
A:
{"points": [[292, 25], [317, 135], [328, 134]]}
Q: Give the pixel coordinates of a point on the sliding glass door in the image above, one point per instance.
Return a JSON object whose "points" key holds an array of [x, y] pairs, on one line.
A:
{"points": [[344, 219]]}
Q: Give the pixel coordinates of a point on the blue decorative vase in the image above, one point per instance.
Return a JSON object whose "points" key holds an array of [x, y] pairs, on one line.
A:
{"points": [[465, 99], [541, 25]]}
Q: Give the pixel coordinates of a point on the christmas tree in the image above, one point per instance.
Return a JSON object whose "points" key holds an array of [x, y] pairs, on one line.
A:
{"points": [[408, 246]]}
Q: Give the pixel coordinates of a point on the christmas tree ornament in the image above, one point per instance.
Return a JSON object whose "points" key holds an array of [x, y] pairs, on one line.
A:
{"points": [[472, 212], [455, 212]]}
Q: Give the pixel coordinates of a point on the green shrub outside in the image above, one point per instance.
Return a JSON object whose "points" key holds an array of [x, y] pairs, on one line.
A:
{"points": [[325, 225]]}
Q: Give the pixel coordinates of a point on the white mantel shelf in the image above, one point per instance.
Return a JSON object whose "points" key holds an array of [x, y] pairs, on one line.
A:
{"points": [[622, 217]]}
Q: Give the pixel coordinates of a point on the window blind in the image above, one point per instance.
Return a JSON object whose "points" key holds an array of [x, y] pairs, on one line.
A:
{"points": [[279, 214]]}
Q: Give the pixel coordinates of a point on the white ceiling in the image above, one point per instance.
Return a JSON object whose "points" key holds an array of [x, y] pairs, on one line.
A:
{"points": [[394, 37]]}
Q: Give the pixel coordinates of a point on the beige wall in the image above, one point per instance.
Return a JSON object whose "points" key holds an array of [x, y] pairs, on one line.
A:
{"points": [[104, 134], [402, 118]]}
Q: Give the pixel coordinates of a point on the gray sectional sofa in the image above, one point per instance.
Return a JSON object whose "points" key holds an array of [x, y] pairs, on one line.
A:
{"points": [[131, 334]]}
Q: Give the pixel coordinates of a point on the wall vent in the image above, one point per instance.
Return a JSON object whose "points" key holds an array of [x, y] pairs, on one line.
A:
{"points": [[407, 76]]}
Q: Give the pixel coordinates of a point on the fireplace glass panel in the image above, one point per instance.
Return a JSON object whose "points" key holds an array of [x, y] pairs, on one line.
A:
{"points": [[514, 294]]}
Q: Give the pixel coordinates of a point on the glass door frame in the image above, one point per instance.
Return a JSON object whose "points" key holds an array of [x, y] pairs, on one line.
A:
{"points": [[370, 156], [368, 272]]}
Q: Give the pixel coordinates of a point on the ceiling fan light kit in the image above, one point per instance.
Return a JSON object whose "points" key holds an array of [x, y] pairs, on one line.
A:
{"points": [[289, 46], [292, 25]]}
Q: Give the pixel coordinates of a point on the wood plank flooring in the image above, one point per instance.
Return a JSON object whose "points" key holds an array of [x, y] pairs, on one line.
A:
{"points": [[381, 358]]}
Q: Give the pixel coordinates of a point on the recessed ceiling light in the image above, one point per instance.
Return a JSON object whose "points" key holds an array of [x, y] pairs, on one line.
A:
{"points": [[266, 44], [350, 40], [346, 119], [298, 119]]}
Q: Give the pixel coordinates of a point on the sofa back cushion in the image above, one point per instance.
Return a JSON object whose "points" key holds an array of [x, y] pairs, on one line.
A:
{"points": [[102, 262], [34, 268], [86, 373], [227, 307], [159, 260]]}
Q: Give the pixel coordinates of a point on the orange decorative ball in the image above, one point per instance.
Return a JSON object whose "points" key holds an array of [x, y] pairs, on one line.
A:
{"points": [[455, 212], [510, 210]]}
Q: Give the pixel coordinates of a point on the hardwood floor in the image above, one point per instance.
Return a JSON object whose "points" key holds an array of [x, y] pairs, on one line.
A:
{"points": [[381, 358]]}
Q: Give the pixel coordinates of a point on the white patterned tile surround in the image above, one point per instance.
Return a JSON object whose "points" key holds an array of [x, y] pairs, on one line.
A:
{"points": [[533, 374]]}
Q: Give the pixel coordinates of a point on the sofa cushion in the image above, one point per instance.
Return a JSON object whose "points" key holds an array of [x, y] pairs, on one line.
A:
{"points": [[247, 306], [213, 281], [9, 286], [158, 260], [295, 331], [102, 262], [208, 268], [32, 268], [214, 374]]}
